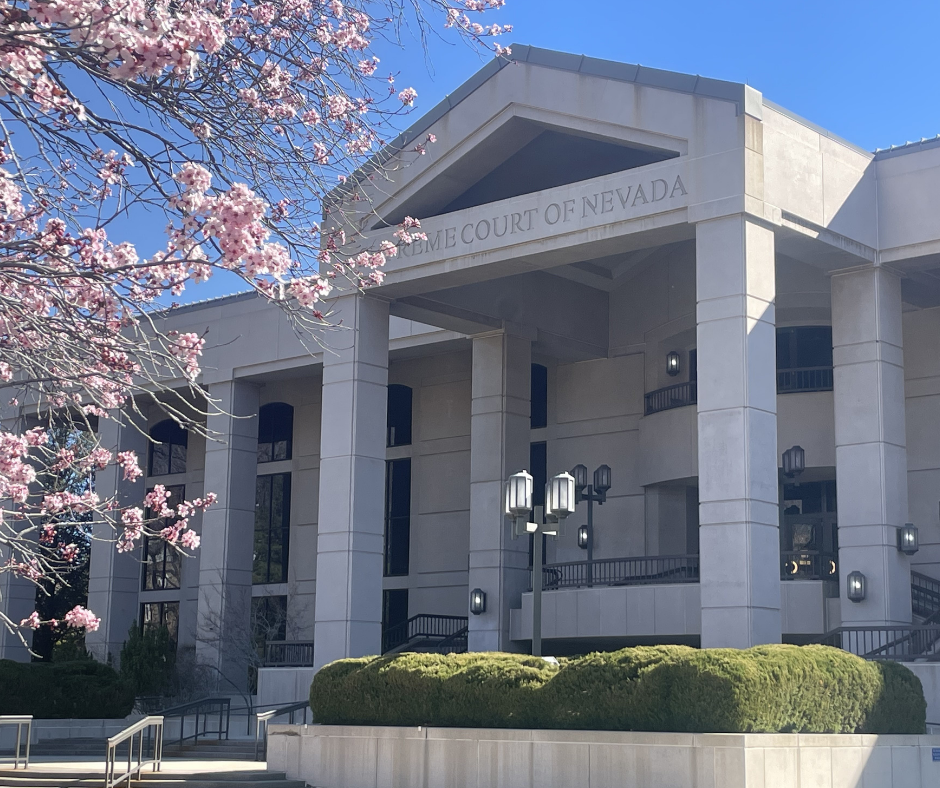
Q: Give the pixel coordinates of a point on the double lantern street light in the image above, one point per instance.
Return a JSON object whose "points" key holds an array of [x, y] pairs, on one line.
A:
{"points": [[562, 493]]}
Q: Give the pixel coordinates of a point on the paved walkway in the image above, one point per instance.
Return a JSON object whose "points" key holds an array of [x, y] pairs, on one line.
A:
{"points": [[95, 765]]}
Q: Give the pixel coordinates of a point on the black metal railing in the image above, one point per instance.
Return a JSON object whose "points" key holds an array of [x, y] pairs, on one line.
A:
{"points": [[925, 597], [210, 718], [263, 718], [422, 626], [804, 379], [899, 643], [677, 396], [643, 570], [288, 654], [808, 565]]}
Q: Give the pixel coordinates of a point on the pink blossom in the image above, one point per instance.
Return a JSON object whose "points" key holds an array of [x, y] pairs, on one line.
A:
{"points": [[32, 622], [81, 618]]}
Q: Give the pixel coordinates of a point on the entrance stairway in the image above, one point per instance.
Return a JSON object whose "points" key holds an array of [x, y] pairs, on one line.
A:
{"points": [[36, 777], [427, 633], [919, 641]]}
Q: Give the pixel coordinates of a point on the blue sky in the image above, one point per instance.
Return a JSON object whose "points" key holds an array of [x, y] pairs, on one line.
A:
{"points": [[866, 71]]}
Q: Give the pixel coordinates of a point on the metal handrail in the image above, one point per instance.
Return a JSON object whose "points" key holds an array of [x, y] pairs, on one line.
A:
{"points": [[288, 654], [904, 643], [19, 720], [261, 720], [804, 379], [152, 724], [205, 707], [424, 625], [639, 570], [676, 396]]}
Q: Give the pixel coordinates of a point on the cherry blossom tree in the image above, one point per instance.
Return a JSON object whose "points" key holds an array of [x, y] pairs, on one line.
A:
{"points": [[228, 122]]}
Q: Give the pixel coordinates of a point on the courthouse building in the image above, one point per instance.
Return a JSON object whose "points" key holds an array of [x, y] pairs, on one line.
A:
{"points": [[663, 273]]}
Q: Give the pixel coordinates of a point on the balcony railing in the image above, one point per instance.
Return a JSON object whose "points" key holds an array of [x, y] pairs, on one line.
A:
{"points": [[808, 565], [644, 570], [790, 381], [925, 597], [901, 643], [288, 654], [677, 396]]}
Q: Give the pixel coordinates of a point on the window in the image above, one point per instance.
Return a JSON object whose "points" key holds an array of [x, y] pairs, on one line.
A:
{"points": [[268, 619], [693, 365], [275, 432], [163, 563], [154, 615], [804, 347], [168, 448], [272, 528], [397, 516], [394, 617], [539, 404], [399, 415]]}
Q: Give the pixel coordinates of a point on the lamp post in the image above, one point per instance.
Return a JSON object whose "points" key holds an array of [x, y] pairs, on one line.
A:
{"points": [[559, 505], [592, 493]]}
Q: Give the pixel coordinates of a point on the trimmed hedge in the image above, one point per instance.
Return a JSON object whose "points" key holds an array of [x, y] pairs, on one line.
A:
{"points": [[84, 689], [779, 688]]}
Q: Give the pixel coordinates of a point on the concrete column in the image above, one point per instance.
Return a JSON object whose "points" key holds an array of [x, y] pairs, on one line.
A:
{"points": [[228, 528], [350, 525], [737, 433], [499, 446], [114, 578], [18, 600], [871, 451]]}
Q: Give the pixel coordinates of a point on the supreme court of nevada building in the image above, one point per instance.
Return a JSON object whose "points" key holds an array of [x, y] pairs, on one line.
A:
{"points": [[735, 310]]}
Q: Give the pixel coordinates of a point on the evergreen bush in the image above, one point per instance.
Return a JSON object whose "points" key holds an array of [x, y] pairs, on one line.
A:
{"points": [[83, 689], [778, 688]]}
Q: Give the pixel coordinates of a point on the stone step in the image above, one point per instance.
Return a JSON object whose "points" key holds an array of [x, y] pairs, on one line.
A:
{"points": [[36, 778]]}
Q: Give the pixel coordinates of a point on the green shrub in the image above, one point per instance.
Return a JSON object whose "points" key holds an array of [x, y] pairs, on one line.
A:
{"points": [[148, 660], [664, 688], [84, 689]]}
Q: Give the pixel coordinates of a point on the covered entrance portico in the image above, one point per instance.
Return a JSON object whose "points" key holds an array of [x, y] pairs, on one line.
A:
{"points": [[662, 218]]}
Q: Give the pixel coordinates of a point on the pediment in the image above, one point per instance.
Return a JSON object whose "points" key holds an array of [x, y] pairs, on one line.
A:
{"points": [[543, 121]]}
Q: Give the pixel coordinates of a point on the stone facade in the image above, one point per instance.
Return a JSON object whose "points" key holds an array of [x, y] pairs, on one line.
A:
{"points": [[585, 221]]}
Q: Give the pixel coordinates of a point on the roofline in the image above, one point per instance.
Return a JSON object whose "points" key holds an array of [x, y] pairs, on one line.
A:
{"points": [[908, 147], [194, 306], [745, 98]]}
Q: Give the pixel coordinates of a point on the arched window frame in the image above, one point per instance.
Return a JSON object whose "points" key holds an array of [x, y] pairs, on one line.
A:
{"points": [[169, 443], [275, 432]]}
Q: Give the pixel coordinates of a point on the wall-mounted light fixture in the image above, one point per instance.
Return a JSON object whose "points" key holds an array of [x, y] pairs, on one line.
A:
{"points": [[855, 586], [794, 461], [477, 601], [583, 537], [908, 539], [672, 363]]}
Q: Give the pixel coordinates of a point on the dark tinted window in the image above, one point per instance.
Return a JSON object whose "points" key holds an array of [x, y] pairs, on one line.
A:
{"points": [[275, 432], [539, 406], [800, 347], [399, 415], [154, 615], [397, 516], [272, 529], [538, 467], [162, 562], [168, 448]]}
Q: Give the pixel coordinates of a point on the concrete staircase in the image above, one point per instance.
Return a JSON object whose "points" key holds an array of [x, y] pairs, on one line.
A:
{"points": [[36, 777]]}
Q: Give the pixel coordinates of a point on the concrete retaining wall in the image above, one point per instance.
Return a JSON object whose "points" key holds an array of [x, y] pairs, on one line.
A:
{"points": [[333, 756], [929, 675], [283, 685]]}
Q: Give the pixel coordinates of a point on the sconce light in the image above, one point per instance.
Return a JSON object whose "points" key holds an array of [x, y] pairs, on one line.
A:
{"points": [[672, 363], [908, 539], [583, 537], [794, 461], [855, 586], [477, 601]]}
